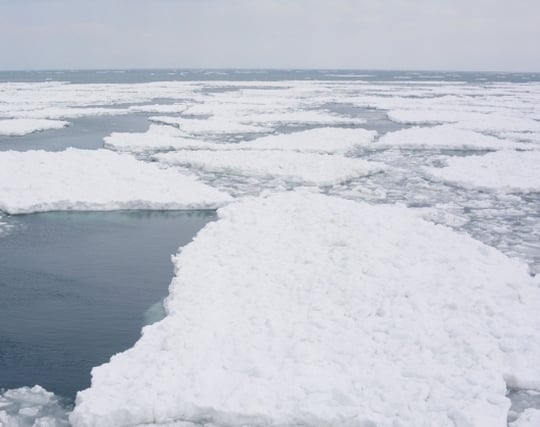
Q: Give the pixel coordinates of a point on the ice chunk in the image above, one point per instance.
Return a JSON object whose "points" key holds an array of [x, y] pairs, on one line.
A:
{"points": [[20, 127], [506, 170], [35, 181], [304, 309], [529, 418], [32, 407], [159, 108], [445, 137], [317, 169]]}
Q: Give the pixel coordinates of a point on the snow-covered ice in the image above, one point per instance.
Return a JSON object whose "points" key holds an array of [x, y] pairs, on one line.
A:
{"points": [[308, 168], [157, 138], [320, 311], [506, 171], [445, 137], [529, 418], [325, 140], [20, 127], [73, 179], [208, 126]]}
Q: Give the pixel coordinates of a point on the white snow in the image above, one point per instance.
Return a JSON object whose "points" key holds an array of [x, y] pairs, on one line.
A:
{"points": [[506, 171], [303, 309], [20, 127], [308, 168], [445, 137], [529, 418], [36, 181]]}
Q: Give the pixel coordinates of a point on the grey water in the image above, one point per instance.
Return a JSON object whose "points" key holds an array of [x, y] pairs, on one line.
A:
{"points": [[77, 287]]}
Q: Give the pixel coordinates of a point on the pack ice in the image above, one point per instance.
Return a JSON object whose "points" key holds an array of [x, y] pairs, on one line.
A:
{"points": [[505, 171], [36, 181], [325, 312]]}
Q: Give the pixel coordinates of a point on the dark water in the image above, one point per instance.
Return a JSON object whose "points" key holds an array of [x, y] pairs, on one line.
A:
{"points": [[149, 75], [74, 289]]}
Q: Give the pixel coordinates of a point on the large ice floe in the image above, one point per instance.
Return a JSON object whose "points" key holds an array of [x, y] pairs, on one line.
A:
{"points": [[326, 140], [73, 179], [506, 171], [446, 137], [307, 168], [20, 127], [319, 311]]}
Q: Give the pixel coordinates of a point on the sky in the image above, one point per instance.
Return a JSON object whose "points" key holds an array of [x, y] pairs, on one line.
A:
{"points": [[480, 35]]}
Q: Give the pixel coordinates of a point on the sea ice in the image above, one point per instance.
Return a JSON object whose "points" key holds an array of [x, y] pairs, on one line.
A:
{"points": [[307, 168], [31, 407], [20, 127], [157, 138], [529, 418], [73, 179], [208, 126], [445, 137], [325, 312], [507, 171]]}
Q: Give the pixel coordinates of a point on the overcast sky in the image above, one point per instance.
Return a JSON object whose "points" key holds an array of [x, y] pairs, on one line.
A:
{"points": [[362, 34]]}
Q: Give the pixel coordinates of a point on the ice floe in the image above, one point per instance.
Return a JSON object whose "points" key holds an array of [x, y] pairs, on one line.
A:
{"points": [[208, 126], [506, 171], [318, 140], [307, 168], [32, 407], [20, 127], [73, 179], [320, 311], [446, 137]]}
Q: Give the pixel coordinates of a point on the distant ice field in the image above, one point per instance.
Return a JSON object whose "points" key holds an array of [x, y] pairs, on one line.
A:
{"points": [[454, 149]]}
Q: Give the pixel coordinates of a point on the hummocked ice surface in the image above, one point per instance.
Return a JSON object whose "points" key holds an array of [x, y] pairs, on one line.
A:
{"points": [[350, 314], [451, 345]]}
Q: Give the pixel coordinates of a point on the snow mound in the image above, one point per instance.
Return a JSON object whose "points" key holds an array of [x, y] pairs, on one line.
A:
{"points": [[157, 138], [316, 169], [506, 171], [529, 418], [20, 127], [326, 312], [36, 181], [445, 137]]}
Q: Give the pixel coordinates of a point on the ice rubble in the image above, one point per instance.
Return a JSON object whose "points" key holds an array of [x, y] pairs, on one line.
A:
{"points": [[318, 140], [20, 127], [506, 171], [320, 311], [74, 179], [31, 407], [529, 418], [445, 137], [306, 168]]}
